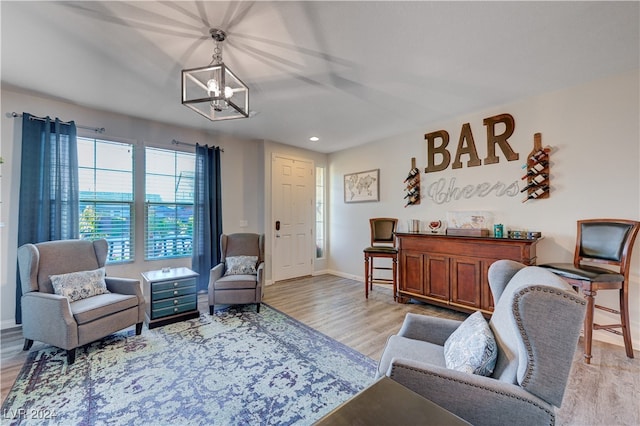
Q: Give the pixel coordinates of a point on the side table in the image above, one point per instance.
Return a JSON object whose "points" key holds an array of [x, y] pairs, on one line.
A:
{"points": [[170, 296]]}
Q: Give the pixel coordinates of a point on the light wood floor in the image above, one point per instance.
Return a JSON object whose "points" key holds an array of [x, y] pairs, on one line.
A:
{"points": [[607, 392]]}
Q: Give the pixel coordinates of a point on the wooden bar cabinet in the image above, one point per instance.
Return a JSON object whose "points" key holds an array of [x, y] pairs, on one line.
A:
{"points": [[451, 271]]}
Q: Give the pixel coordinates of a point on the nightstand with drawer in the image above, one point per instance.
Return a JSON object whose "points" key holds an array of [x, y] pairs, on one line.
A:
{"points": [[170, 296]]}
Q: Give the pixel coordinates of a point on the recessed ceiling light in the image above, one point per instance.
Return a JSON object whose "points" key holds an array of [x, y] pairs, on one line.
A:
{"points": [[314, 139]]}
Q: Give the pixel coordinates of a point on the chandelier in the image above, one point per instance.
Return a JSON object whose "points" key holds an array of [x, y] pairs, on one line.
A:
{"points": [[214, 91]]}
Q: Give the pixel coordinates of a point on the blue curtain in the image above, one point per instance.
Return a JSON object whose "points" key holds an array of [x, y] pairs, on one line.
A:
{"points": [[207, 214], [48, 185]]}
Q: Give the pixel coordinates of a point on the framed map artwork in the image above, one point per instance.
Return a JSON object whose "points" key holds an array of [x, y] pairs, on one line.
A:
{"points": [[362, 186]]}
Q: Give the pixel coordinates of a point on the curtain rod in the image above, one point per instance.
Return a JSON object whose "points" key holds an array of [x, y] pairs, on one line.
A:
{"points": [[177, 142], [33, 117]]}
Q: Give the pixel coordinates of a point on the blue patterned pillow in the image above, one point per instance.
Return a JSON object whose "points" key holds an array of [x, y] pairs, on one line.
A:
{"points": [[241, 265], [79, 285], [472, 347]]}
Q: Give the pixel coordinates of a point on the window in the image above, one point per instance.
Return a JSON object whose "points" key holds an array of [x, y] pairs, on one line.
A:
{"points": [[105, 174], [169, 187], [319, 212]]}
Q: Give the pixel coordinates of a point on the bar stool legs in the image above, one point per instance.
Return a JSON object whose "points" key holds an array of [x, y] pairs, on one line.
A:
{"points": [[369, 268]]}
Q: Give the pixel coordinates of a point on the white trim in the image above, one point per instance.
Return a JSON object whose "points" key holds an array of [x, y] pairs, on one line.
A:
{"points": [[7, 324]]}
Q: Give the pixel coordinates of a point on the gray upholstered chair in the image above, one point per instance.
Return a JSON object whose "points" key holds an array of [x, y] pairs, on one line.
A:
{"points": [[536, 324], [52, 318], [231, 282]]}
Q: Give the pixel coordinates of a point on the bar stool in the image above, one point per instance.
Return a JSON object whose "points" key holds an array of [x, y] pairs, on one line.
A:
{"points": [[383, 245], [608, 242]]}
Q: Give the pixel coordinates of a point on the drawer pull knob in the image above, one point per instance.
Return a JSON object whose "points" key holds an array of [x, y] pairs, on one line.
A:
{"points": [[175, 309], [175, 302], [175, 292], [175, 284]]}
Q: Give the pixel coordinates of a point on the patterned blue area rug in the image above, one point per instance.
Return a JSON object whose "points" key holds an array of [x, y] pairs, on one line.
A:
{"points": [[235, 368]]}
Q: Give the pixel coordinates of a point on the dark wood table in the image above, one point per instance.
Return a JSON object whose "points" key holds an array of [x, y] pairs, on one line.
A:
{"points": [[386, 402]]}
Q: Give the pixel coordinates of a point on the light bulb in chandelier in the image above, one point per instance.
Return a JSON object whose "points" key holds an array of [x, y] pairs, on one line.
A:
{"points": [[228, 92], [213, 88]]}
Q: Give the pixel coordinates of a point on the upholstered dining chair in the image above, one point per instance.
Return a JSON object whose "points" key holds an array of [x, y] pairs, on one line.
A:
{"points": [[239, 277], [383, 245], [512, 370], [606, 242], [67, 301]]}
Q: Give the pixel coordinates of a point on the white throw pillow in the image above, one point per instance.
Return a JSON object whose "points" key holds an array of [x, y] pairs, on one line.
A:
{"points": [[472, 347], [80, 285], [241, 265]]}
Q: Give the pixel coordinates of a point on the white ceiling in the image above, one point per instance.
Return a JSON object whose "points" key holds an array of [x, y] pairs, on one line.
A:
{"points": [[348, 72]]}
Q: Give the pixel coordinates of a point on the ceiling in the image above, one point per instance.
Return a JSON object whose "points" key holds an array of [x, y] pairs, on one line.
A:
{"points": [[347, 72]]}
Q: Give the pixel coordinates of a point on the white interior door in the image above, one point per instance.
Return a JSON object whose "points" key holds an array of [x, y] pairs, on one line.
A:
{"points": [[292, 213]]}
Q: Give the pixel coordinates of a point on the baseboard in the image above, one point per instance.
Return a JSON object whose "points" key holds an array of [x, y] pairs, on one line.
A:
{"points": [[345, 275], [8, 324]]}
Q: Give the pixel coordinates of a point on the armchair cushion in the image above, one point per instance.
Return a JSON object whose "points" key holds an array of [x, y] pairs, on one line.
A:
{"points": [[238, 281], [79, 285], [472, 347], [241, 265], [399, 347], [93, 308]]}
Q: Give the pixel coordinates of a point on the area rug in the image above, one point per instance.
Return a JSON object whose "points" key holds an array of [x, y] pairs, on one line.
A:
{"points": [[237, 367]]}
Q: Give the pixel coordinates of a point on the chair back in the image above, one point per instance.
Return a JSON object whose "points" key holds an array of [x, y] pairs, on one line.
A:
{"points": [[242, 244], [536, 323], [606, 241], [383, 230], [37, 262]]}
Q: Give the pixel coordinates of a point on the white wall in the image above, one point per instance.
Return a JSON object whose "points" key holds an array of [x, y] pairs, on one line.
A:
{"points": [[242, 174], [594, 135]]}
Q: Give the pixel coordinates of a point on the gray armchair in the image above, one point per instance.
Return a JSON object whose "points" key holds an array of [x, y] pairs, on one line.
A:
{"points": [[231, 285], [536, 324], [51, 318]]}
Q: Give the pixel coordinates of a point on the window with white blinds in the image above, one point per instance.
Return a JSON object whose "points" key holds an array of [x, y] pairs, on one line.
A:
{"points": [[169, 189], [105, 174]]}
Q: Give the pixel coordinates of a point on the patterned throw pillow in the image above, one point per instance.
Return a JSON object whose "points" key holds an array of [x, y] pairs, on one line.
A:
{"points": [[241, 265], [80, 285], [472, 347]]}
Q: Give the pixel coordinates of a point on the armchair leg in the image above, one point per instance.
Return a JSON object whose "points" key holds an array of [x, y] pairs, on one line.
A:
{"points": [[71, 356], [258, 308], [210, 309], [138, 329], [27, 344]]}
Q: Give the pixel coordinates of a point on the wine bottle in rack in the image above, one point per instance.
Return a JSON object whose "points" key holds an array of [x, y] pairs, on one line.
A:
{"points": [[412, 199], [535, 181], [411, 191], [537, 193], [538, 155], [414, 180], [412, 173], [535, 169]]}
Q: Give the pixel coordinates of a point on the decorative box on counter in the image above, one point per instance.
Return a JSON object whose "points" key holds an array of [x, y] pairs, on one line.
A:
{"points": [[469, 223], [468, 232]]}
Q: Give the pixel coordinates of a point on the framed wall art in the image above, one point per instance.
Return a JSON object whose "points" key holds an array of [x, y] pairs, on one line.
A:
{"points": [[362, 187]]}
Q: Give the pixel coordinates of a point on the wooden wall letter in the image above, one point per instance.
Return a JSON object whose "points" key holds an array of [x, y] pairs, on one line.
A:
{"points": [[493, 139], [432, 150], [470, 148]]}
